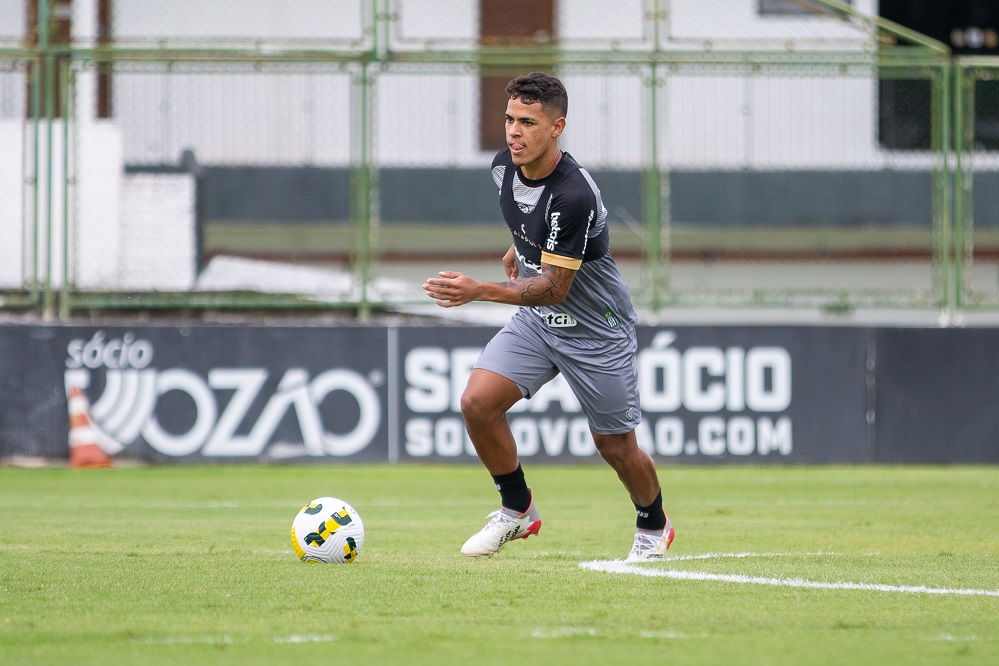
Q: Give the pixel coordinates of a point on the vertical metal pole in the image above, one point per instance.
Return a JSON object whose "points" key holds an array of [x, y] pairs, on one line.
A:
{"points": [[959, 143], [656, 187], [48, 311], [68, 90], [964, 129], [652, 199], [942, 178], [36, 113], [362, 189], [364, 183], [380, 17]]}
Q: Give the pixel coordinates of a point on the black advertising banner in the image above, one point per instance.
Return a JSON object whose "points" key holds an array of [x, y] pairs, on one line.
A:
{"points": [[434, 366], [937, 396], [709, 394], [198, 392], [755, 394]]}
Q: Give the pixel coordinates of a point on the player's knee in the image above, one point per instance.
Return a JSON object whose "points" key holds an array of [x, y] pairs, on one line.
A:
{"points": [[613, 448], [476, 408]]}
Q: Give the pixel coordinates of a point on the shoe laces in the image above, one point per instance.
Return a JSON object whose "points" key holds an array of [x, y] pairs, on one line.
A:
{"points": [[499, 517], [645, 541]]}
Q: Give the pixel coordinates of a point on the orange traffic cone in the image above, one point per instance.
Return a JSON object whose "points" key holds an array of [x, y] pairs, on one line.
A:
{"points": [[84, 451]]}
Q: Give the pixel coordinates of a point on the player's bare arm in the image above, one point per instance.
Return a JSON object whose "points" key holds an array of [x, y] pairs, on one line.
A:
{"points": [[550, 287]]}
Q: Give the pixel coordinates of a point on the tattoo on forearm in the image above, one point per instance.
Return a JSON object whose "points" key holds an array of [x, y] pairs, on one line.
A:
{"points": [[538, 290], [549, 287]]}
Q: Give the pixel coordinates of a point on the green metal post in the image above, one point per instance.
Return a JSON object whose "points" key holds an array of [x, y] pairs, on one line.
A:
{"points": [[959, 184], [652, 201], [48, 310], [381, 15], [36, 113], [362, 189], [68, 90], [655, 187], [941, 131]]}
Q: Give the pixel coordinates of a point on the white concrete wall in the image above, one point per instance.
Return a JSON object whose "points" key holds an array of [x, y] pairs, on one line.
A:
{"points": [[158, 234], [125, 232], [97, 238], [326, 22], [12, 205]]}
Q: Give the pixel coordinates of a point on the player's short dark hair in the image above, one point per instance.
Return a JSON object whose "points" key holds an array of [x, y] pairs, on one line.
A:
{"points": [[543, 89]]}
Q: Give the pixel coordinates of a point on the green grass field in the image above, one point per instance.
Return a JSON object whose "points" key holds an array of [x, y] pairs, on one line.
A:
{"points": [[193, 565]]}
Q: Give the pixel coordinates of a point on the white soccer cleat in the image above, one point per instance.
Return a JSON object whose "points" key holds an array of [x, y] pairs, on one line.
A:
{"points": [[651, 545], [505, 525]]}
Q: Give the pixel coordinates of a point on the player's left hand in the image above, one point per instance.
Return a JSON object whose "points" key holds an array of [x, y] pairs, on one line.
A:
{"points": [[451, 289]]}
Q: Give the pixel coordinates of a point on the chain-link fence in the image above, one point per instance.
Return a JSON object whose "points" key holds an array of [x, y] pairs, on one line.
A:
{"points": [[628, 25], [18, 221], [785, 187], [336, 153], [977, 181], [203, 162], [241, 24]]}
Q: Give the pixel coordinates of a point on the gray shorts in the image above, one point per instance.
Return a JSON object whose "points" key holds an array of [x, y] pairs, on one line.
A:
{"points": [[603, 374]]}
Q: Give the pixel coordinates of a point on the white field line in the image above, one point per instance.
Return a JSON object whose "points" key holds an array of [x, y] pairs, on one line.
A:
{"points": [[620, 567], [230, 640], [571, 632], [738, 556]]}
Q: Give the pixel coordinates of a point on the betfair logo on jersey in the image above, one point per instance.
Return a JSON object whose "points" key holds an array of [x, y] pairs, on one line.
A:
{"points": [[558, 320], [553, 235]]}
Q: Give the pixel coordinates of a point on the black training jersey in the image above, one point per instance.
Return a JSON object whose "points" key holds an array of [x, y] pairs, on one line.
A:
{"points": [[561, 220]]}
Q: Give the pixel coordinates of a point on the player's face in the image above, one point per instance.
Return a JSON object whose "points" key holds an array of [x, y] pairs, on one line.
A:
{"points": [[531, 133]]}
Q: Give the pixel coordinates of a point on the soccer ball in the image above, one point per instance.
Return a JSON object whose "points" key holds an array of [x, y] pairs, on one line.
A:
{"points": [[327, 530]]}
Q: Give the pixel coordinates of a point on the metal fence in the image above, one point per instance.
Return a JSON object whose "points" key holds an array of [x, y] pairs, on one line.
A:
{"points": [[17, 138], [334, 154], [976, 131]]}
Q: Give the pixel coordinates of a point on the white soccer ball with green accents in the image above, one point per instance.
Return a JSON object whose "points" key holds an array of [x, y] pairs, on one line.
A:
{"points": [[327, 530]]}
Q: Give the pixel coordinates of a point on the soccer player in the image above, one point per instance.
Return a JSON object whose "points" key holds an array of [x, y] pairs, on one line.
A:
{"points": [[577, 319]]}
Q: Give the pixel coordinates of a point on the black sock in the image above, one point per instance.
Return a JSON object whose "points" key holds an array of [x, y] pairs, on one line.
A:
{"points": [[513, 490], [651, 517]]}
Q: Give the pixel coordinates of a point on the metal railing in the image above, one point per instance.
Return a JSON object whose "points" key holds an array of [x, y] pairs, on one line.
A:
{"points": [[976, 168], [735, 167]]}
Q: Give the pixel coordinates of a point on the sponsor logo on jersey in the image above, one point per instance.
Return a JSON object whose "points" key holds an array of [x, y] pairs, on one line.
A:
{"points": [[553, 234], [558, 319], [611, 319], [523, 236]]}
